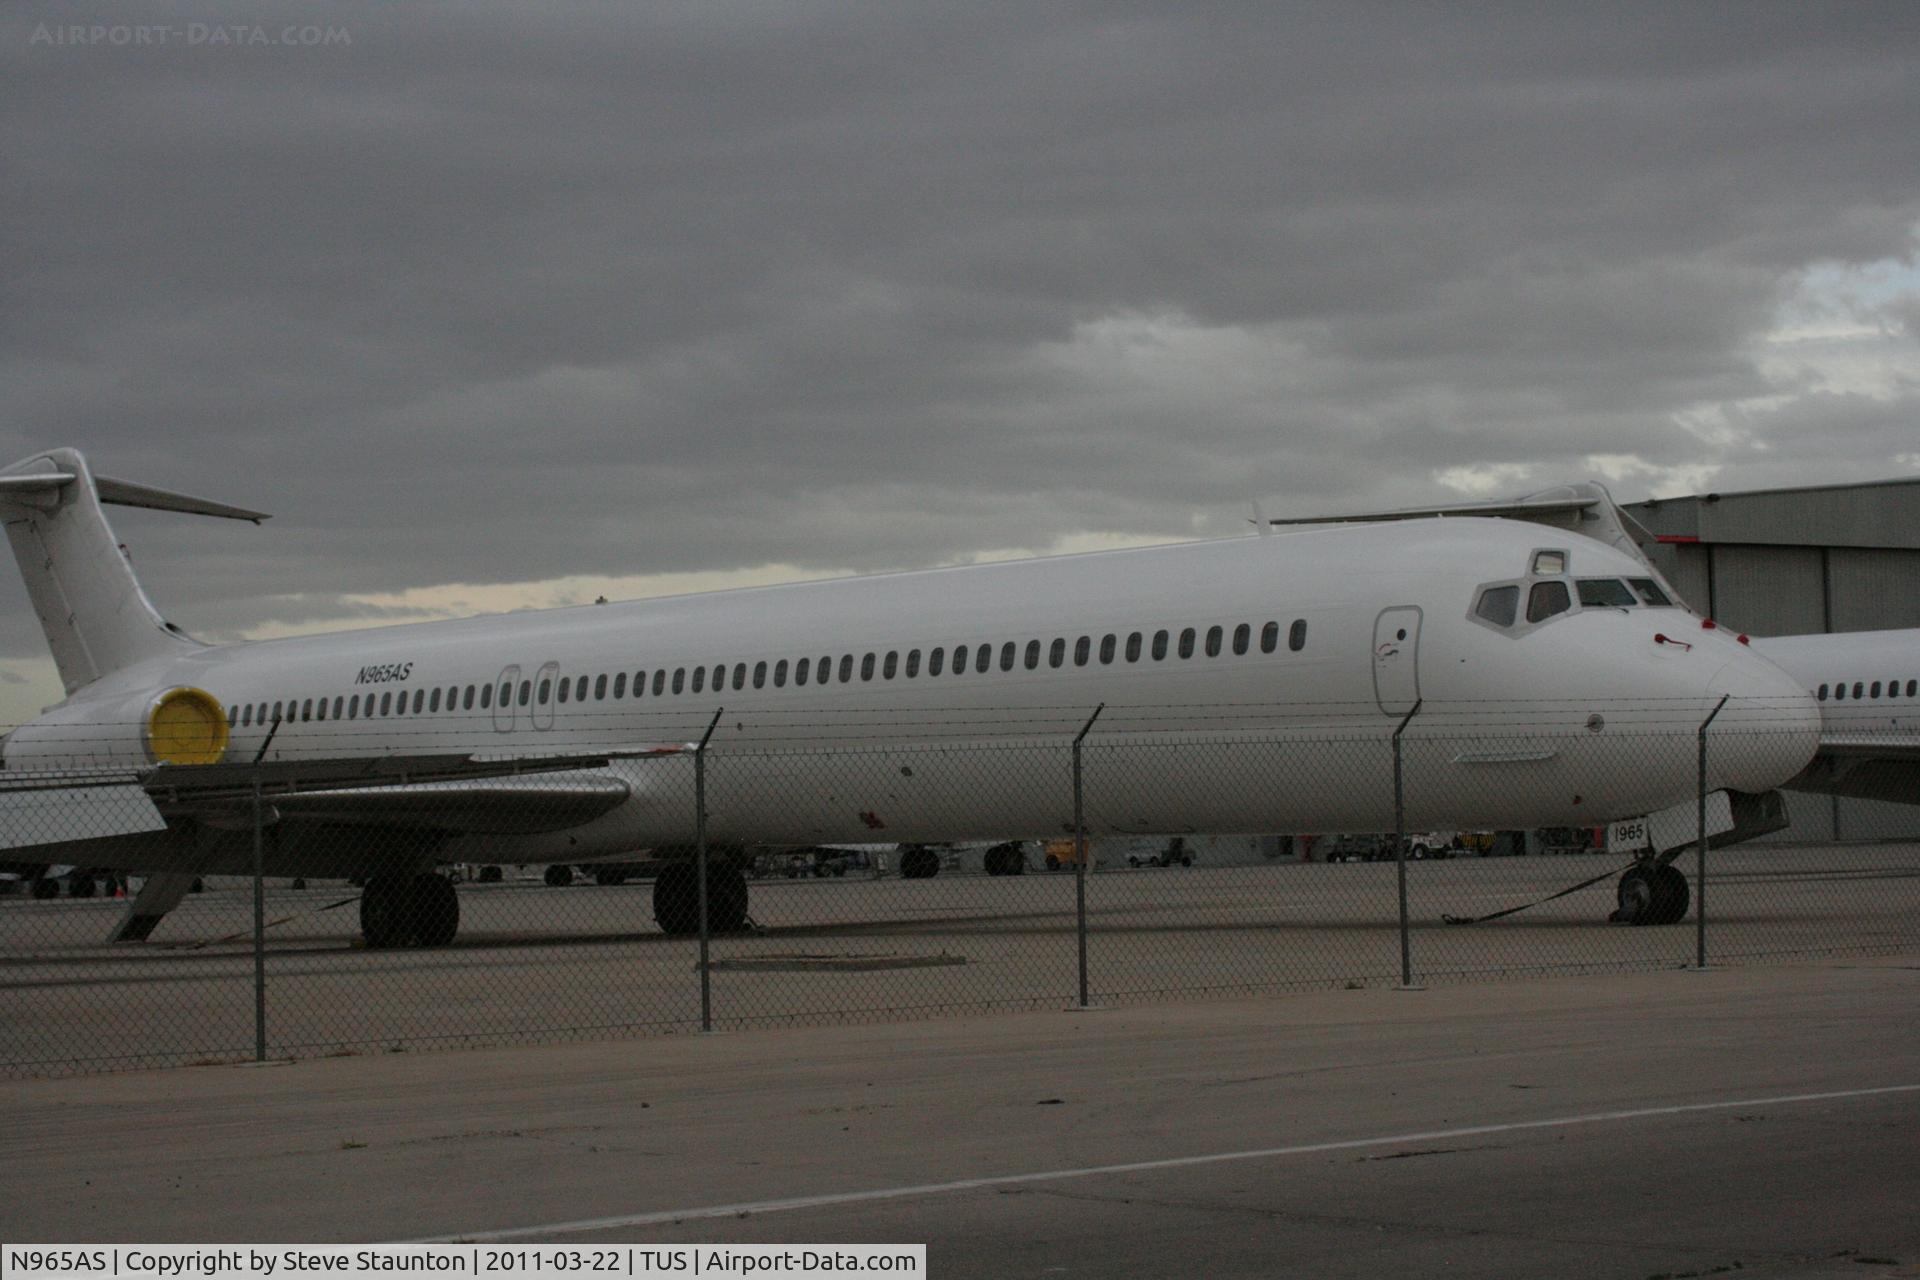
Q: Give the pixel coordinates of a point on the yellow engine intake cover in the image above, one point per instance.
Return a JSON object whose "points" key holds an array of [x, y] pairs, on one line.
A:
{"points": [[186, 726]]}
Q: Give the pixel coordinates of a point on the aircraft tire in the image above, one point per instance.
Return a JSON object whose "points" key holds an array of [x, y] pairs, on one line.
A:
{"points": [[491, 874], [676, 899], [45, 888], [80, 886], [1671, 895], [919, 864], [559, 875], [383, 911], [608, 877], [434, 908]]}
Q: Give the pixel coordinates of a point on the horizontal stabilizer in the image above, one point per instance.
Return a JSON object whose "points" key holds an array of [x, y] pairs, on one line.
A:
{"points": [[125, 493], [44, 817]]}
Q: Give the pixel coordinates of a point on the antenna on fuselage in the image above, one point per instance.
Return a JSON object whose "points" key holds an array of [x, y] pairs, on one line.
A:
{"points": [[1260, 524]]}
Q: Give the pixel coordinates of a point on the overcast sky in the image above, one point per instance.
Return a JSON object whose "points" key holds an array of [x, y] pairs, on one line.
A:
{"points": [[494, 304]]}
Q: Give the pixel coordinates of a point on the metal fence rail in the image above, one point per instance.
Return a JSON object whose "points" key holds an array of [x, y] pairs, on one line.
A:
{"points": [[1076, 882]]}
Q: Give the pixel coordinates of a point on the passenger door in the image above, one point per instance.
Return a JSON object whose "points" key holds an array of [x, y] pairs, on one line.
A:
{"points": [[1396, 659]]}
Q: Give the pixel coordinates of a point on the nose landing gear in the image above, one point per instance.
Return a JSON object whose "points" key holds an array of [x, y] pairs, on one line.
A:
{"points": [[1652, 892], [398, 910]]}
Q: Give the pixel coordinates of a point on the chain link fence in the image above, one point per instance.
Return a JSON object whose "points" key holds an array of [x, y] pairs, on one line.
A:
{"points": [[410, 903]]}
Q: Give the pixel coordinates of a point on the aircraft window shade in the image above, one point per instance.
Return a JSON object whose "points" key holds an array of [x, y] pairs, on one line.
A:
{"points": [[800, 670], [1214, 636], [779, 674], [935, 660], [739, 676], [1242, 638], [1057, 652], [1547, 599], [1159, 646], [1133, 647], [1186, 642], [1606, 593], [1082, 650], [1856, 689], [759, 675], [1108, 643], [1548, 563], [913, 663], [890, 665], [1033, 654], [566, 690], [1007, 652], [1650, 593], [699, 679], [846, 668], [866, 667], [1297, 635], [1498, 605]]}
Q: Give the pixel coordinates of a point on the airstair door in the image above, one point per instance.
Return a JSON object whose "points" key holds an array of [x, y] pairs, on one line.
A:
{"points": [[1396, 659]]}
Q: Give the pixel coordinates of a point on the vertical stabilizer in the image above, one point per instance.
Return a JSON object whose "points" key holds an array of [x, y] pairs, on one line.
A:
{"points": [[96, 617]]}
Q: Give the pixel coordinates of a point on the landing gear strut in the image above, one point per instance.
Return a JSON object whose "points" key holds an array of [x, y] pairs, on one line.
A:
{"points": [[1652, 893], [676, 898], [401, 910]]}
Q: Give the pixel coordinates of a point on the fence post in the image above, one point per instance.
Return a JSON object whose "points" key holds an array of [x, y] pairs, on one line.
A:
{"points": [[1700, 889], [260, 905], [700, 865], [1080, 851], [1400, 846]]}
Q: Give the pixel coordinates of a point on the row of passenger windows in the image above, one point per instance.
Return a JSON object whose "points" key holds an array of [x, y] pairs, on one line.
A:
{"points": [[1862, 690], [1501, 605], [980, 658]]}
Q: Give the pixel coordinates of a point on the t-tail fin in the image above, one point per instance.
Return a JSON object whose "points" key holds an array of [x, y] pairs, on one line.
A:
{"points": [[96, 617]]}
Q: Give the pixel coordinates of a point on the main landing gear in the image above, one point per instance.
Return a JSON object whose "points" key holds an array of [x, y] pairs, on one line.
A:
{"points": [[1652, 892], [676, 898], [409, 910]]}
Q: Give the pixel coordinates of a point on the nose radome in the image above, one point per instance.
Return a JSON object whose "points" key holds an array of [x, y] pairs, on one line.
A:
{"points": [[1768, 730]]}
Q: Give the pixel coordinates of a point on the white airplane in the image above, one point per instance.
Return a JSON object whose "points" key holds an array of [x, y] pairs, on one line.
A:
{"points": [[1250, 684]]}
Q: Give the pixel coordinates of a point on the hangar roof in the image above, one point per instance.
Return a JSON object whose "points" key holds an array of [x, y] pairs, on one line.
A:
{"points": [[1880, 513]]}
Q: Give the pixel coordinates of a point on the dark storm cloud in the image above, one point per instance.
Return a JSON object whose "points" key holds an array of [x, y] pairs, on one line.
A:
{"points": [[497, 292]]}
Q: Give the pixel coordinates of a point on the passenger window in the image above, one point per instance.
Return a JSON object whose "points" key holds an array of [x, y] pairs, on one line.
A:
{"points": [[338, 703], [1875, 690], [959, 659], [419, 700], [1605, 593], [846, 668], [1214, 636], [1107, 645], [600, 688], [1186, 643], [1498, 605], [1649, 592], [699, 679], [1546, 564], [566, 688], [1242, 637], [866, 667], [800, 670], [1823, 693], [1856, 689], [1546, 600], [936, 660], [1007, 651], [659, 682], [546, 691], [580, 689], [433, 704], [759, 675], [1840, 692], [620, 684], [386, 705], [1910, 686], [779, 673], [913, 663], [1133, 646], [246, 715], [306, 707], [353, 706], [399, 705], [466, 701], [1297, 635], [739, 676], [890, 665], [1033, 654], [1159, 646], [679, 679], [1082, 650], [1270, 637], [1057, 653], [486, 699]]}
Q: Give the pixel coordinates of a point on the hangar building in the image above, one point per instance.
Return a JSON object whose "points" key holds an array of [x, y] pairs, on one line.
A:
{"points": [[1795, 562]]}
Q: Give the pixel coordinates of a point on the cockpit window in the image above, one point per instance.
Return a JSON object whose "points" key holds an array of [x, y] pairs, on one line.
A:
{"points": [[1546, 599], [1548, 563], [1498, 605], [1606, 593], [1650, 592]]}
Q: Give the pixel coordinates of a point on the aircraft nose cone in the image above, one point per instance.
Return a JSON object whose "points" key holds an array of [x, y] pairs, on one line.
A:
{"points": [[1767, 731]]}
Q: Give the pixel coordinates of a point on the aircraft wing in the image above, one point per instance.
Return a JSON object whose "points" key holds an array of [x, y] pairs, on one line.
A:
{"points": [[1536, 509], [1865, 767]]}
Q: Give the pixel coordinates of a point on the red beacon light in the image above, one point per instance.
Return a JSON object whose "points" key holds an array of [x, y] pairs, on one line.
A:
{"points": [[1708, 624], [1742, 638]]}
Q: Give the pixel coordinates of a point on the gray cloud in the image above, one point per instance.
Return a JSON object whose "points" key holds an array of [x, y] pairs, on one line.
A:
{"points": [[495, 293]]}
